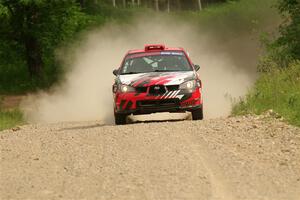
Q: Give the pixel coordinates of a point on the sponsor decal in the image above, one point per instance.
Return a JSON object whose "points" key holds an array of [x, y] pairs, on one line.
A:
{"points": [[164, 78], [186, 97], [138, 55], [170, 95], [180, 96], [174, 53]]}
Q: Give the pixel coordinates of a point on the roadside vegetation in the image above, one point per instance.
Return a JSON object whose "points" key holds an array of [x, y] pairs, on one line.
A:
{"points": [[278, 87], [31, 31], [277, 90], [9, 117]]}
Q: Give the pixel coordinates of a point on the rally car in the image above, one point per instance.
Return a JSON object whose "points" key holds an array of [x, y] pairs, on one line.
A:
{"points": [[157, 79]]}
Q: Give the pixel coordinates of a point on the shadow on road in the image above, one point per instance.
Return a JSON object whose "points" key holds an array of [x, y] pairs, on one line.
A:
{"points": [[159, 117], [83, 127], [155, 121], [131, 120]]}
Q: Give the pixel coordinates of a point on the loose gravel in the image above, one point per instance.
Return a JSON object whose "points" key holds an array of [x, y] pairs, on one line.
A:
{"points": [[250, 157]]}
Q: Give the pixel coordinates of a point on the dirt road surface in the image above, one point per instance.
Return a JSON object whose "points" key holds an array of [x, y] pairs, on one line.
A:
{"points": [[251, 158]]}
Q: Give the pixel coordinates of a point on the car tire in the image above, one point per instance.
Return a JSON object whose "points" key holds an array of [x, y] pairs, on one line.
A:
{"points": [[197, 114], [120, 119]]}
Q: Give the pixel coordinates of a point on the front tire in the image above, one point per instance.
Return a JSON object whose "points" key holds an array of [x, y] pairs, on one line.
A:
{"points": [[197, 114], [120, 119]]}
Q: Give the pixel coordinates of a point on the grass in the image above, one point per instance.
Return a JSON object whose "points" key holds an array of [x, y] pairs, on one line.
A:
{"points": [[278, 90], [10, 119]]}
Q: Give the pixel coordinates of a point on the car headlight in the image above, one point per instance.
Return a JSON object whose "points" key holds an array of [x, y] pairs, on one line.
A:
{"points": [[189, 85], [126, 88]]}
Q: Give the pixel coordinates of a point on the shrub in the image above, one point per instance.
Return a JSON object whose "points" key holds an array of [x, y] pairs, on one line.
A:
{"points": [[278, 89]]}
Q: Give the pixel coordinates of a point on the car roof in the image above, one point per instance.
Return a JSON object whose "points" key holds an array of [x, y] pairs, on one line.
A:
{"points": [[154, 48]]}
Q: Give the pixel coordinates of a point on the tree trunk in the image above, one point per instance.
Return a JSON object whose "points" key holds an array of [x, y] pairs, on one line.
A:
{"points": [[81, 2], [200, 5], [178, 4], [33, 49], [33, 56], [114, 3], [168, 6], [156, 5], [124, 3]]}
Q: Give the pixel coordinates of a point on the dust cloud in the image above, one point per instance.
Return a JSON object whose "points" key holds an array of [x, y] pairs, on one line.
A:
{"points": [[86, 92]]}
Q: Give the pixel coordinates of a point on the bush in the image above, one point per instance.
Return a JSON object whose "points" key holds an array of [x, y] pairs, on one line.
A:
{"points": [[32, 30], [9, 119], [278, 89], [289, 39]]}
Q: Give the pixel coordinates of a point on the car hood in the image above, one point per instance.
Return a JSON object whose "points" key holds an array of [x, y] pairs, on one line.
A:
{"points": [[156, 78]]}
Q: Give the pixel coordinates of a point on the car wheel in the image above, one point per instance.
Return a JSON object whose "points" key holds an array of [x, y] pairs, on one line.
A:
{"points": [[197, 114], [120, 119]]}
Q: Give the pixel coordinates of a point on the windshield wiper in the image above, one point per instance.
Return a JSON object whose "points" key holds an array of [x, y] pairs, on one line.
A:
{"points": [[161, 70], [130, 73]]}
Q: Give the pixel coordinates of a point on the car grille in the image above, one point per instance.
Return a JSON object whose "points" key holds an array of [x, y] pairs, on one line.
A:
{"points": [[141, 89], [162, 89], [172, 87], [157, 90], [158, 105]]}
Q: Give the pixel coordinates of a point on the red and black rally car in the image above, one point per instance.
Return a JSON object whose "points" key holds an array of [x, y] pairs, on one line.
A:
{"points": [[157, 79]]}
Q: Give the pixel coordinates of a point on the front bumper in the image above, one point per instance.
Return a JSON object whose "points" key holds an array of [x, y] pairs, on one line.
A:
{"points": [[143, 103]]}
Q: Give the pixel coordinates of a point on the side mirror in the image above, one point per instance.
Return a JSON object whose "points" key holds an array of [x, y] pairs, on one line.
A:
{"points": [[197, 67], [116, 72]]}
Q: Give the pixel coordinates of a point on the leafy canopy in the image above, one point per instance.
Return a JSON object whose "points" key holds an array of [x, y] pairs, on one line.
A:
{"points": [[290, 29]]}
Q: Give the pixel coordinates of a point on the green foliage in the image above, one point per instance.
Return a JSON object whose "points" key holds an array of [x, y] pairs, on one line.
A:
{"points": [[286, 47], [278, 89], [275, 56], [290, 29], [9, 118], [235, 18], [32, 30]]}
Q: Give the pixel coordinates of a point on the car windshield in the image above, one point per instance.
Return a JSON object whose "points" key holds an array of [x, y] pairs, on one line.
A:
{"points": [[155, 62]]}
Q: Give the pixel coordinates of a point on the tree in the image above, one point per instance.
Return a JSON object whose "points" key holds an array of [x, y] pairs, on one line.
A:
{"points": [[36, 27], [156, 5], [289, 40], [200, 4]]}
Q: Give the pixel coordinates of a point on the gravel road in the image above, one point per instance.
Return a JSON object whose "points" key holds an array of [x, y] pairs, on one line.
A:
{"points": [[249, 158]]}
